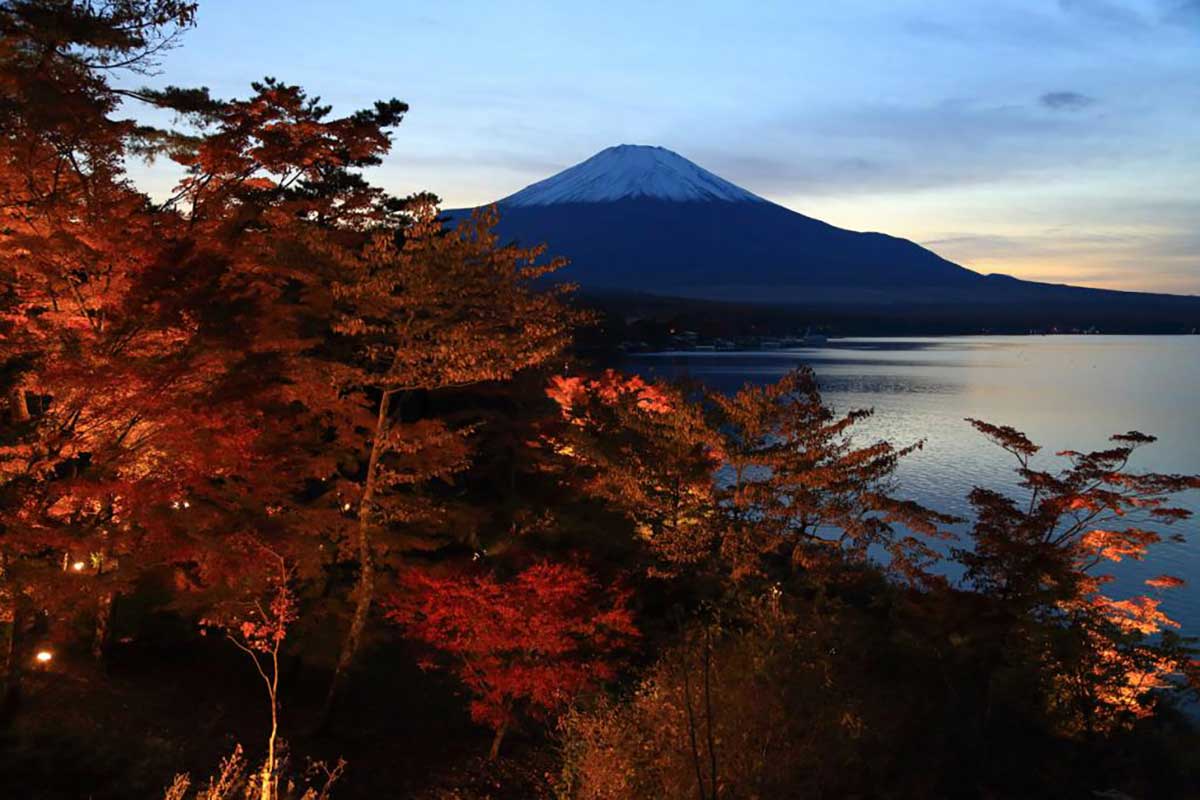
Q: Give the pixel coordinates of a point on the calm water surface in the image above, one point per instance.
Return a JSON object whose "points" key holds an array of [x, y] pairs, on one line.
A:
{"points": [[1064, 392]]}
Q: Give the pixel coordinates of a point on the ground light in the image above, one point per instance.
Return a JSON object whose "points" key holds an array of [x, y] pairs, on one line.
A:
{"points": [[44, 656]]}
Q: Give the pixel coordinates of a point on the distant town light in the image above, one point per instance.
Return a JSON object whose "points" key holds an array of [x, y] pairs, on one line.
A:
{"points": [[44, 656], [346, 507], [78, 566]]}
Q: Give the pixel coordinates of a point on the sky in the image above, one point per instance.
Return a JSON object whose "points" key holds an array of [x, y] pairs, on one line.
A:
{"points": [[1054, 140]]}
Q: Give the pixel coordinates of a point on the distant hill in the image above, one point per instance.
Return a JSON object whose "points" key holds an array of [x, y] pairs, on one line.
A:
{"points": [[644, 220]]}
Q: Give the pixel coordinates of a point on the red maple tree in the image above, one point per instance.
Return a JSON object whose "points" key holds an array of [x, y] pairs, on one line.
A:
{"points": [[522, 646]]}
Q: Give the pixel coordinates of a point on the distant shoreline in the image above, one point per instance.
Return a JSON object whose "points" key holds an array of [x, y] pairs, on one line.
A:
{"points": [[834, 342]]}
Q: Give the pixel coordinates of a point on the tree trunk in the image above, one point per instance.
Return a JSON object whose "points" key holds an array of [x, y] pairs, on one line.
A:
{"points": [[8, 636], [104, 615], [708, 714], [494, 753], [18, 405], [364, 593], [268, 770], [691, 720]]}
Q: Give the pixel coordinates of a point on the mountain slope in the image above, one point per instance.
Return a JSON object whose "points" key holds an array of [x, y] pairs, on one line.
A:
{"points": [[639, 219], [686, 247]]}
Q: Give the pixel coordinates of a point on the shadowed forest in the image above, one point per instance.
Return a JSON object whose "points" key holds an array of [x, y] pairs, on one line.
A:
{"points": [[305, 493]]}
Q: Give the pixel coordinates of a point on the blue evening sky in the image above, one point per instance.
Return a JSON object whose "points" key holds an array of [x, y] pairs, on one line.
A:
{"points": [[1051, 139]]}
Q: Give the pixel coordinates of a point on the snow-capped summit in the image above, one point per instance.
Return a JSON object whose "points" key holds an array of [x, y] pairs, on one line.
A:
{"points": [[631, 171]]}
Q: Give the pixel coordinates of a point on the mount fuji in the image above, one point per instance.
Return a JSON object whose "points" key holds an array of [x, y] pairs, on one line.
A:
{"points": [[644, 220], [631, 171]]}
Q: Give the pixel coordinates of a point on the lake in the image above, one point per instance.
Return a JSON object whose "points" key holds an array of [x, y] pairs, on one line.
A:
{"points": [[1064, 392]]}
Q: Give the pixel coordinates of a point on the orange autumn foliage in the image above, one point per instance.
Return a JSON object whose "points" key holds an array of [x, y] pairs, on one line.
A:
{"points": [[799, 488], [650, 453], [1039, 557]]}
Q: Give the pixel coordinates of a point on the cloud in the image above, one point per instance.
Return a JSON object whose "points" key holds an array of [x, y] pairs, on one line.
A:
{"points": [[1009, 28], [1066, 101], [893, 147], [1115, 14], [1148, 259], [1182, 12], [1105, 12]]}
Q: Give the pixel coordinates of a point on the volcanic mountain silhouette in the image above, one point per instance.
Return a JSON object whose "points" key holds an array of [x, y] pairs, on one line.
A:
{"points": [[642, 219]]}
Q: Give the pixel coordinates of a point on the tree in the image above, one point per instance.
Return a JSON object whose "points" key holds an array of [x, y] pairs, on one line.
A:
{"points": [[418, 312], [1101, 659], [258, 628], [798, 486], [523, 646], [154, 357], [179, 371], [277, 213], [782, 700], [649, 452], [71, 229], [769, 471], [86, 375]]}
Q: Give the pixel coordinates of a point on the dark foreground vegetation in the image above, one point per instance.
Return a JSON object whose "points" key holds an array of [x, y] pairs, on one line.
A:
{"points": [[286, 465]]}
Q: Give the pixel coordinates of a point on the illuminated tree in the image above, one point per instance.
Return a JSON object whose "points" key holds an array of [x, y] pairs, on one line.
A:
{"points": [[179, 371], [522, 646], [93, 384], [258, 628], [768, 472], [154, 357], [799, 487], [274, 197], [358, 301], [649, 452], [1038, 556], [419, 312]]}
